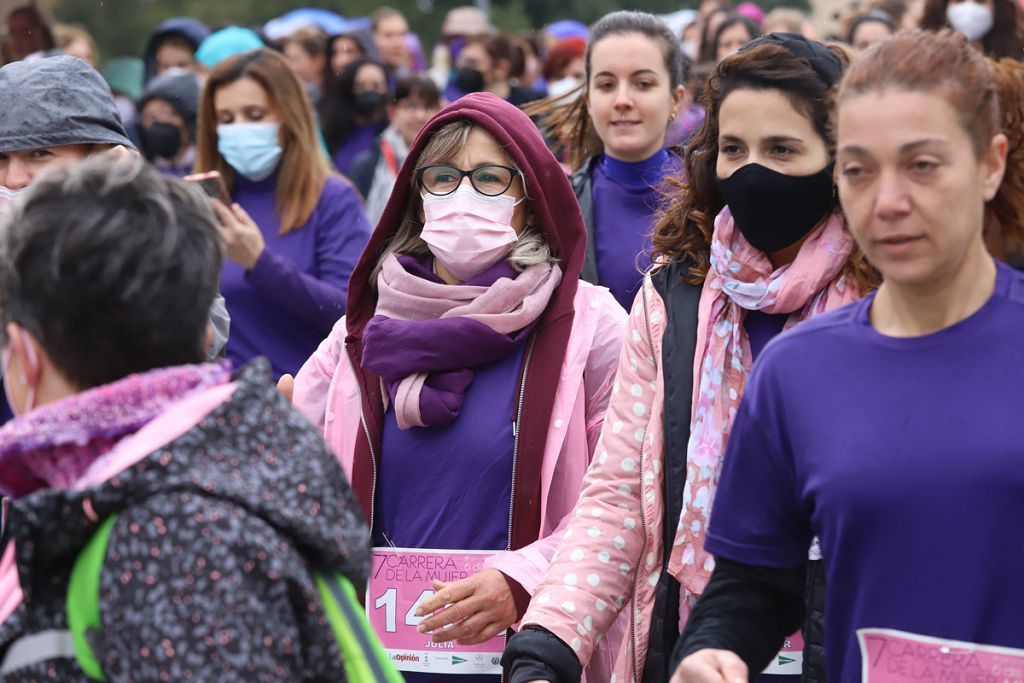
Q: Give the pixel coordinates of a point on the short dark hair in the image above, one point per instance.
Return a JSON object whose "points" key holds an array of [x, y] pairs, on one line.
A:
{"points": [[419, 86], [497, 45], [753, 30], [112, 267]]}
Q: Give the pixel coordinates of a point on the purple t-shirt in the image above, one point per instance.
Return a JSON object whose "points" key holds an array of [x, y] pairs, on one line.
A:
{"points": [[451, 487], [905, 456], [761, 328], [287, 304], [360, 140], [625, 198]]}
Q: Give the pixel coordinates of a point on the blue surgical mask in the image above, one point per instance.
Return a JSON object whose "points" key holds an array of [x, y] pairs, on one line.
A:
{"points": [[252, 149]]}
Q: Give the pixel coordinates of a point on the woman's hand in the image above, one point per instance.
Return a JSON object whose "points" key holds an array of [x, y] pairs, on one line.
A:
{"points": [[711, 666], [478, 609], [243, 241], [286, 386]]}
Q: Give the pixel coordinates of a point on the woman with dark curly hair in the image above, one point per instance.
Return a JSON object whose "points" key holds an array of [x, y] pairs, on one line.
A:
{"points": [[1004, 232], [752, 243]]}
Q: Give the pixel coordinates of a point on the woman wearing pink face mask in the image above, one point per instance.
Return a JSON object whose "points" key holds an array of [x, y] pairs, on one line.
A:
{"points": [[465, 389]]}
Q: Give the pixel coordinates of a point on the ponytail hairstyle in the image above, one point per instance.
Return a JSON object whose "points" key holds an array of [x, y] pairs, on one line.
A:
{"points": [[569, 124], [685, 223]]}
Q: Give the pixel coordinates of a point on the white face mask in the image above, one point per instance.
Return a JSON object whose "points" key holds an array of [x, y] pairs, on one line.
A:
{"points": [[970, 19], [561, 88]]}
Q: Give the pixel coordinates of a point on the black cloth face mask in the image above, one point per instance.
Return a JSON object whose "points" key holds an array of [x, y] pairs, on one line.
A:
{"points": [[369, 103], [162, 140], [469, 80], [774, 210]]}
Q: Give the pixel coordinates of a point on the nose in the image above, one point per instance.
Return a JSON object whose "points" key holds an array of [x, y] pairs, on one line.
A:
{"points": [[623, 100], [17, 176], [891, 199]]}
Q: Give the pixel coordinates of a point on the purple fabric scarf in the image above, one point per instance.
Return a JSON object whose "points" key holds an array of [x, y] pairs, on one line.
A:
{"points": [[427, 336]]}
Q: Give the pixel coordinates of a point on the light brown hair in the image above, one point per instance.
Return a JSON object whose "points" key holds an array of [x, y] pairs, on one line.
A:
{"points": [[303, 169], [570, 123], [444, 145], [946, 64]]}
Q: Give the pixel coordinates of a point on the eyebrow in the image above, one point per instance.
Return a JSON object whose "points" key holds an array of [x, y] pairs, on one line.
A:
{"points": [[771, 140], [635, 73], [905, 148]]}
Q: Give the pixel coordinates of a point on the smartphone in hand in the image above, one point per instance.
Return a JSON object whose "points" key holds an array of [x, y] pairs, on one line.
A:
{"points": [[212, 183]]}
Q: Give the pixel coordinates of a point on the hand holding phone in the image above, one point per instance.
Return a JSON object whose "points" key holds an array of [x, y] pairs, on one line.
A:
{"points": [[212, 183]]}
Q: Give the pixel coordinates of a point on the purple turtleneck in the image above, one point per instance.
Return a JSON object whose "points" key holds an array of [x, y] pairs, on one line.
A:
{"points": [[292, 297], [625, 199]]}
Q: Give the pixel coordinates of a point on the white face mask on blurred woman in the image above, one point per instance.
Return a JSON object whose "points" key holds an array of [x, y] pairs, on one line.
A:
{"points": [[561, 88], [970, 18]]}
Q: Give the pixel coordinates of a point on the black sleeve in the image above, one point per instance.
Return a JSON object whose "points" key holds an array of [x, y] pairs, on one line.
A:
{"points": [[745, 609], [536, 653]]}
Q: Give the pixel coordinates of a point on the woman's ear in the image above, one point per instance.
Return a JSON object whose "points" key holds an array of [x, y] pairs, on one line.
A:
{"points": [[995, 165]]}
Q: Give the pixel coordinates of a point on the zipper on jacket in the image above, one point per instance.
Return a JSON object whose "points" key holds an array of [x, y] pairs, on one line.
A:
{"points": [[369, 442], [515, 454], [643, 513], [515, 435]]}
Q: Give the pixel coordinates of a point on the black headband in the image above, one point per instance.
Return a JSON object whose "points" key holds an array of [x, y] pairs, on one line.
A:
{"points": [[824, 62]]}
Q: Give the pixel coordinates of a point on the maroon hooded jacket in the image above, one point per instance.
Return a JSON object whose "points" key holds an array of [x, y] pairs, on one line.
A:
{"points": [[558, 214]]}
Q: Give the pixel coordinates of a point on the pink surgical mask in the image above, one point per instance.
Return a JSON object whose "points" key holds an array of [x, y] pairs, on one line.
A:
{"points": [[467, 231], [30, 393]]}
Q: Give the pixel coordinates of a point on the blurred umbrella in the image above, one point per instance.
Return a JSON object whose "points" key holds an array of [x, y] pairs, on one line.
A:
{"points": [[286, 24]]}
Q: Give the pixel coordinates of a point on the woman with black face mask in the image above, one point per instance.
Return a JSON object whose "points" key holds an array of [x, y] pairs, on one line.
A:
{"points": [[353, 111], [168, 122], [751, 242]]}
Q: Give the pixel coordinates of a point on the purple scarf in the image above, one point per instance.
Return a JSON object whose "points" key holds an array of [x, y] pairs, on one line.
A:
{"points": [[427, 336], [53, 446]]}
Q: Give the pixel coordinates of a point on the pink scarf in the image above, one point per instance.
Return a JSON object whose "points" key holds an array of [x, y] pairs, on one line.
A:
{"points": [[741, 279], [409, 342]]}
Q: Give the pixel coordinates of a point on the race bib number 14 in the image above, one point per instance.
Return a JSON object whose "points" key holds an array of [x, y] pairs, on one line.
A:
{"points": [[401, 579]]}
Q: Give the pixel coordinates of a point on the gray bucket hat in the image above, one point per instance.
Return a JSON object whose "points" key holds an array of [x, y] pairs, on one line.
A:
{"points": [[57, 101]]}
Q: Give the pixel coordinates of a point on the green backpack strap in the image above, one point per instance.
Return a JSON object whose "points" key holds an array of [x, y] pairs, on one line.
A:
{"points": [[83, 600], [365, 659]]}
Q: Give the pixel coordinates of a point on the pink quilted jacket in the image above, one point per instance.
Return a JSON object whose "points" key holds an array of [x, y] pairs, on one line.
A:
{"points": [[609, 560]]}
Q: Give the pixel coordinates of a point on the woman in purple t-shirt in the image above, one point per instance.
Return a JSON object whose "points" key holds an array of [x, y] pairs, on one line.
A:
{"points": [[890, 428]]}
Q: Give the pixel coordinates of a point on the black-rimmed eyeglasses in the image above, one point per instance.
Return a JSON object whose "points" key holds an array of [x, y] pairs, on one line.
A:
{"points": [[442, 179]]}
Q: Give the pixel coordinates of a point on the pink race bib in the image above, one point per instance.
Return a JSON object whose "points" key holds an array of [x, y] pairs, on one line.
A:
{"points": [[401, 579], [790, 660], [889, 656]]}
